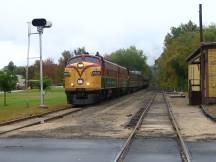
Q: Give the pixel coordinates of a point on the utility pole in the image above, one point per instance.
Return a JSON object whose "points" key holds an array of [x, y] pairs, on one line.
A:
{"points": [[28, 49], [200, 23]]}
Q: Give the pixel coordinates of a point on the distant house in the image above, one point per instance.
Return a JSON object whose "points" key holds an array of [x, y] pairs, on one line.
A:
{"points": [[21, 82]]}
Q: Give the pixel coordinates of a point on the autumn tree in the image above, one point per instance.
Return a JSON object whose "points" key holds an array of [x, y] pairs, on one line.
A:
{"points": [[34, 70], [50, 70]]}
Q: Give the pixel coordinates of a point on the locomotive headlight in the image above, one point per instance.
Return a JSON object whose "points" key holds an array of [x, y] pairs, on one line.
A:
{"points": [[80, 65], [87, 83], [72, 84], [80, 81]]}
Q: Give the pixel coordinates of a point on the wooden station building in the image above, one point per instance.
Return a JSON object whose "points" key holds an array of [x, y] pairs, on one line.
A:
{"points": [[202, 74]]}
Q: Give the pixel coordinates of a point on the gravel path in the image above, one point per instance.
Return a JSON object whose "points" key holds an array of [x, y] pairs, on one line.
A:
{"points": [[193, 123], [107, 119], [157, 122]]}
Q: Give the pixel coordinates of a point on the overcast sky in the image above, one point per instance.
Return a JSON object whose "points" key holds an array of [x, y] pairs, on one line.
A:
{"points": [[99, 25]]}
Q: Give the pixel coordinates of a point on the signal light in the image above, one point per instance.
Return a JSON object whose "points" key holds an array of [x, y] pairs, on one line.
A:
{"points": [[41, 23]]}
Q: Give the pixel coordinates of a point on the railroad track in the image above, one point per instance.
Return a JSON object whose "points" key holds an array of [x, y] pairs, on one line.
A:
{"points": [[14, 125], [137, 121]]}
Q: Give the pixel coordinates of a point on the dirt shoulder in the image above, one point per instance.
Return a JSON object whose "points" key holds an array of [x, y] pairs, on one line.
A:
{"points": [[104, 120], [193, 123], [212, 109]]}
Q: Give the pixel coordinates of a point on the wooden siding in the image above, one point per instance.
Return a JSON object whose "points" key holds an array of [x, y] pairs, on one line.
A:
{"points": [[211, 73]]}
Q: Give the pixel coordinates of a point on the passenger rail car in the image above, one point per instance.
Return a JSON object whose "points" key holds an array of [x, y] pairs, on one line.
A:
{"points": [[90, 78]]}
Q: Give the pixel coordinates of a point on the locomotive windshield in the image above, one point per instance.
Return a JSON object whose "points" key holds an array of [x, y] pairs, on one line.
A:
{"points": [[75, 60], [86, 59]]}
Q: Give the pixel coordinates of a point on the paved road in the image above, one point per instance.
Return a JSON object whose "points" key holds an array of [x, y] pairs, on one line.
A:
{"points": [[154, 150], [203, 151], [100, 150], [58, 150]]}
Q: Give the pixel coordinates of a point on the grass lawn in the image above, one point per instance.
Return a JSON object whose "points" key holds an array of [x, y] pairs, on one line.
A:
{"points": [[26, 103]]}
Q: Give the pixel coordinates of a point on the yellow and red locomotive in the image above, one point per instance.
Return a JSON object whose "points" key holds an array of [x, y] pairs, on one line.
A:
{"points": [[90, 78]]}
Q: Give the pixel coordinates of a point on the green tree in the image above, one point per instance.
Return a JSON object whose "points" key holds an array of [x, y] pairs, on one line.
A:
{"points": [[65, 56], [8, 82], [11, 67], [20, 70], [80, 50], [171, 66], [46, 83], [178, 31], [62, 62], [131, 58]]}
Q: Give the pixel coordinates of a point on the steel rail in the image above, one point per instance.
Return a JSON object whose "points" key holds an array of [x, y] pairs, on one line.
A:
{"points": [[124, 150], [184, 149]]}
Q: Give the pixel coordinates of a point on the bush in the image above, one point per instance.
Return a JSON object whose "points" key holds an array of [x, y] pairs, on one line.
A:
{"points": [[36, 83]]}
